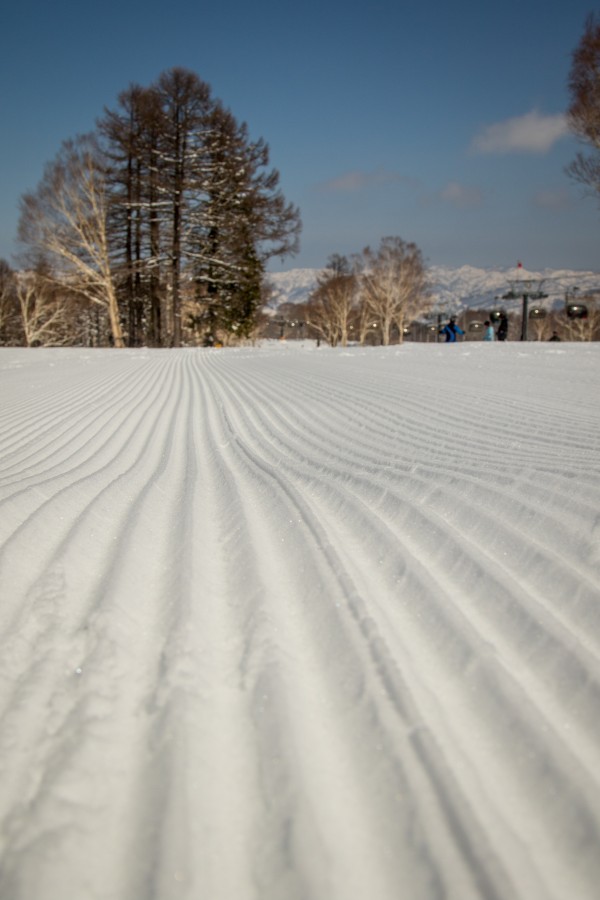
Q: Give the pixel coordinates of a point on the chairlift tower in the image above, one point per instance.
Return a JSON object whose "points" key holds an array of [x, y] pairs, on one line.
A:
{"points": [[437, 314], [525, 289]]}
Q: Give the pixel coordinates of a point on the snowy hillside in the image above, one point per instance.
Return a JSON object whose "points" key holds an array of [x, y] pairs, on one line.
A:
{"points": [[455, 288], [288, 623]]}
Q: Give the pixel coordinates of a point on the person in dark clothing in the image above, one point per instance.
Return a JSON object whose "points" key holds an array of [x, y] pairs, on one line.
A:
{"points": [[451, 331], [502, 327], [555, 336]]}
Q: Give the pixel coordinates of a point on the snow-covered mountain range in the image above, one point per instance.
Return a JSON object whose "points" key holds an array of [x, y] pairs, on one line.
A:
{"points": [[464, 287]]}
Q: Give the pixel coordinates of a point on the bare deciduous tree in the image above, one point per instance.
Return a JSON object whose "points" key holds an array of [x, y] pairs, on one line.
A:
{"points": [[65, 222], [45, 313], [367, 326], [584, 110], [542, 327], [393, 284], [332, 305], [586, 328], [10, 330]]}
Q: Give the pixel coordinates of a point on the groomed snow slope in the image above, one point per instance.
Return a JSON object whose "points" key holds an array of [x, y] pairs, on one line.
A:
{"points": [[282, 623]]}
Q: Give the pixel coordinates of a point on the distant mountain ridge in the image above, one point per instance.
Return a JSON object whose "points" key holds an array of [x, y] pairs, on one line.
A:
{"points": [[454, 289]]}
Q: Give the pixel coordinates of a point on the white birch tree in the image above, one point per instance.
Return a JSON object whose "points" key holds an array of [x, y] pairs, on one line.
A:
{"points": [[45, 315], [65, 222], [332, 307], [393, 284]]}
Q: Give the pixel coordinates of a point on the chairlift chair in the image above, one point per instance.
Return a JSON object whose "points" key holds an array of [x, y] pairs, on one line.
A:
{"points": [[577, 311]]}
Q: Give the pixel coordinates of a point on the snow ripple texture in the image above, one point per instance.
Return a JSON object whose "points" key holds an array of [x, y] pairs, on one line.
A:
{"points": [[287, 623]]}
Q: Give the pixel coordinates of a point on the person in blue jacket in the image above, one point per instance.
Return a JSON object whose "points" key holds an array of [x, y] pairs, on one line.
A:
{"points": [[451, 330], [489, 331]]}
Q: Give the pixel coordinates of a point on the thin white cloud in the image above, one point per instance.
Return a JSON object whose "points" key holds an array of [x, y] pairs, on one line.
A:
{"points": [[460, 195], [552, 199], [351, 182], [531, 133]]}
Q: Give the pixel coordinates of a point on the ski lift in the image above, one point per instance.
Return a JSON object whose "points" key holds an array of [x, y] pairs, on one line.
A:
{"points": [[537, 312], [577, 311], [495, 315], [475, 327], [528, 289]]}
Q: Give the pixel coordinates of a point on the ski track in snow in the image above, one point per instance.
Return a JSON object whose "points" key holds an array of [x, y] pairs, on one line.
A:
{"points": [[287, 624]]}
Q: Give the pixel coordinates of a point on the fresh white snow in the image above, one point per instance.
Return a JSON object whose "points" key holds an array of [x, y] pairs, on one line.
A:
{"points": [[286, 622]]}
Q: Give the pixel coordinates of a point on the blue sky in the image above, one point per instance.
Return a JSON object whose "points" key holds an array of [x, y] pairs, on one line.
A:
{"points": [[440, 122]]}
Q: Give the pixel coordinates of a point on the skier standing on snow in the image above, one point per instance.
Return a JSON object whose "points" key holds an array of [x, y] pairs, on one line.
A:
{"points": [[502, 327], [489, 331], [451, 331]]}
